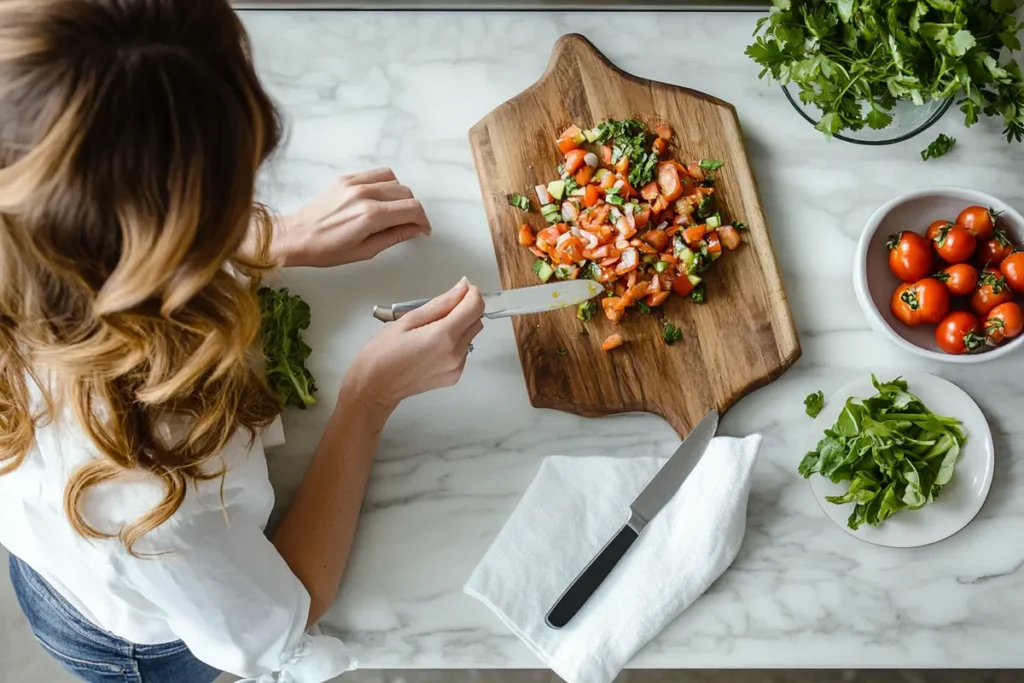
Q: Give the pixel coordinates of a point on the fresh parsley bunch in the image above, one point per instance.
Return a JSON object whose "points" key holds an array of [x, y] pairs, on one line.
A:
{"points": [[854, 59], [284, 317]]}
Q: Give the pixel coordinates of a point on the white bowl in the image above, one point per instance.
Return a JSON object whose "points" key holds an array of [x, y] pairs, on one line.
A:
{"points": [[874, 283]]}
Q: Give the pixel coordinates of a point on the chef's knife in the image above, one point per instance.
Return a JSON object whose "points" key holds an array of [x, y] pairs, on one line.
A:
{"points": [[521, 301], [655, 495]]}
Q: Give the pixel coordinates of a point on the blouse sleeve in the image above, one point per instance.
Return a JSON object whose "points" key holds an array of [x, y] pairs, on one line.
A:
{"points": [[230, 596]]}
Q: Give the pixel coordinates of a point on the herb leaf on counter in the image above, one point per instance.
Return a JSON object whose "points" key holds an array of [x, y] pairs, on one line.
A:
{"points": [[283, 318], [855, 59], [814, 403], [671, 334], [896, 454], [940, 146]]}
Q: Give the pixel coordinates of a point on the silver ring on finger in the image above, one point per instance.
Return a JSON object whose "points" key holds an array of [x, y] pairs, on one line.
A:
{"points": [[469, 349]]}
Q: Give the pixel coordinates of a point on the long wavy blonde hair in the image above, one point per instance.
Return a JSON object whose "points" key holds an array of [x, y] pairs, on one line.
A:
{"points": [[131, 132]]}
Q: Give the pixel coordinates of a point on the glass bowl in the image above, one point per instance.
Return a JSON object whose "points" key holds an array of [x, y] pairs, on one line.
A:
{"points": [[908, 120]]}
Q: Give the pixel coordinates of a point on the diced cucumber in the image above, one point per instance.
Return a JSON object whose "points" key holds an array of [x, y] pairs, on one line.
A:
{"points": [[661, 266], [544, 270], [650, 258], [579, 192], [715, 255], [579, 138], [600, 174], [686, 257], [562, 271], [551, 212], [713, 222], [694, 279], [592, 135], [556, 188]]}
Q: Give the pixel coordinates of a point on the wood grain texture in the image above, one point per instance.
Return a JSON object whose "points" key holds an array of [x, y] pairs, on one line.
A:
{"points": [[741, 339]]}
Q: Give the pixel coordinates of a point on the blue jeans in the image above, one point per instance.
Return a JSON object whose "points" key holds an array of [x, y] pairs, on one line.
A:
{"points": [[91, 653]]}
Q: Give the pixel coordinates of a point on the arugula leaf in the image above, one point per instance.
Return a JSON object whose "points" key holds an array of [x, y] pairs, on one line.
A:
{"points": [[853, 60], [894, 452], [814, 403], [520, 202], [940, 146], [283, 318]]}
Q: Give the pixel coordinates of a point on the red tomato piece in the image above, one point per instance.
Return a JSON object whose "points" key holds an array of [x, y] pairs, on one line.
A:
{"points": [[613, 341], [526, 236], [730, 237], [574, 160], [668, 182]]}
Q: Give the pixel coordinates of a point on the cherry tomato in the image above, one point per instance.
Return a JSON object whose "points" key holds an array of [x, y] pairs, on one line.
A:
{"points": [[935, 228], [1013, 269], [910, 258], [1005, 321], [994, 251], [960, 279], [979, 220], [955, 245], [901, 305], [992, 290], [925, 301], [959, 333]]}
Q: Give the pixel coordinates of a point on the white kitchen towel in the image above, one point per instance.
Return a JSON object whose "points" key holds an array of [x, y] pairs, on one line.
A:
{"points": [[572, 508]]}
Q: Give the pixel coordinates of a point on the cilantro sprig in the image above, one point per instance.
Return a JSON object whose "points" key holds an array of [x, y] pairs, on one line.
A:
{"points": [[855, 59]]}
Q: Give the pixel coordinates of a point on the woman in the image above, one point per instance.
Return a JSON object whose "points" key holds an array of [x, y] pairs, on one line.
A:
{"points": [[134, 488]]}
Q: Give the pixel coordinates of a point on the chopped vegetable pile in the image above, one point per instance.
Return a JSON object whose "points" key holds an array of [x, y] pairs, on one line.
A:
{"points": [[284, 316], [623, 212], [895, 453], [854, 59]]}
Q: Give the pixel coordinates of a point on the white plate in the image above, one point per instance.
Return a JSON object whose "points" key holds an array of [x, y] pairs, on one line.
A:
{"points": [[959, 501]]}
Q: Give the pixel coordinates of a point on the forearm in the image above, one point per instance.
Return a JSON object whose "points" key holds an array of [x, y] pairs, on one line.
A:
{"points": [[316, 535]]}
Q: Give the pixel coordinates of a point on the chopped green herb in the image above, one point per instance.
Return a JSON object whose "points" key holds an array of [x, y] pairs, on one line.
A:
{"points": [[741, 226], [814, 403], [699, 293], [584, 332], [644, 308], [561, 352], [940, 146], [614, 199], [704, 208], [671, 334], [585, 311], [711, 164], [520, 202], [661, 266], [571, 185], [283, 317]]}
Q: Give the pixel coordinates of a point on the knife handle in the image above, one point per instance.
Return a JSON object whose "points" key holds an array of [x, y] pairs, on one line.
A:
{"points": [[390, 314], [584, 585]]}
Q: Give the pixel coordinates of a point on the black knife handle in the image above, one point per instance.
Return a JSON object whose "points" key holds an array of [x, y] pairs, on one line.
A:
{"points": [[584, 585]]}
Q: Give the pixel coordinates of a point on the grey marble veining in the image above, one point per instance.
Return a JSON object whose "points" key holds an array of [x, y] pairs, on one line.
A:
{"points": [[402, 90]]}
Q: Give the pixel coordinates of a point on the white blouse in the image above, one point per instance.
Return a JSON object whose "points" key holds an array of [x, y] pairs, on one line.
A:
{"points": [[220, 585]]}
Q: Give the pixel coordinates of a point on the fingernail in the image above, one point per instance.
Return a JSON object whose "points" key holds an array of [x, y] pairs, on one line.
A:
{"points": [[462, 282]]}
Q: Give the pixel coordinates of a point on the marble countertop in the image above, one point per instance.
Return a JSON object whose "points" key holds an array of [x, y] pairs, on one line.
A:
{"points": [[363, 90]]}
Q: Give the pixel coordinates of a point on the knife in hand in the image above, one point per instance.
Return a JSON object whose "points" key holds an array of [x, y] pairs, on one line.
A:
{"points": [[651, 500], [522, 301]]}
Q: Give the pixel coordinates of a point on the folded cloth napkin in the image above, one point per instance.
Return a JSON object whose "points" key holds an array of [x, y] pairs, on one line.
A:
{"points": [[572, 508]]}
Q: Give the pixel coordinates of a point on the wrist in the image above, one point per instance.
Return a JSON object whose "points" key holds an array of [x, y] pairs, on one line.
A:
{"points": [[285, 250], [358, 393]]}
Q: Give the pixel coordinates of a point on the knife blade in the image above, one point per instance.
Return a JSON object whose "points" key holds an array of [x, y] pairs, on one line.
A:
{"points": [[522, 301], [659, 491]]}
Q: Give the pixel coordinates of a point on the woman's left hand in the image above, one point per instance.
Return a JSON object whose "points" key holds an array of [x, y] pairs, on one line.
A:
{"points": [[356, 218]]}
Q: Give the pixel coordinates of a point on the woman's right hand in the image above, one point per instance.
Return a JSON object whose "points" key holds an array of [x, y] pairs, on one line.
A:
{"points": [[424, 349]]}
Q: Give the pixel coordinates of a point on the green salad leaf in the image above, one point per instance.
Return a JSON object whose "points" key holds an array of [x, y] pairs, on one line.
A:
{"points": [[896, 454], [814, 403], [855, 59], [284, 317]]}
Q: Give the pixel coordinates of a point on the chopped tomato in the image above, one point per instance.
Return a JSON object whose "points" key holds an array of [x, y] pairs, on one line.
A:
{"points": [[730, 237], [670, 258], [636, 292], [592, 196], [668, 182], [660, 204], [642, 246], [608, 181], [714, 245], [574, 273], [659, 146], [650, 191], [612, 310], [571, 132], [695, 171], [567, 145], [606, 155], [574, 160], [607, 274], [657, 239], [629, 260], [642, 217], [584, 175], [571, 251], [655, 284], [526, 237], [562, 228], [613, 341], [622, 165], [672, 230], [549, 235], [693, 235], [542, 245], [625, 231], [537, 252], [682, 285], [656, 299], [631, 280], [627, 190], [663, 131]]}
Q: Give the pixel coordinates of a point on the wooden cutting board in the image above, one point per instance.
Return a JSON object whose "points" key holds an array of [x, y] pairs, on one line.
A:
{"points": [[741, 339]]}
